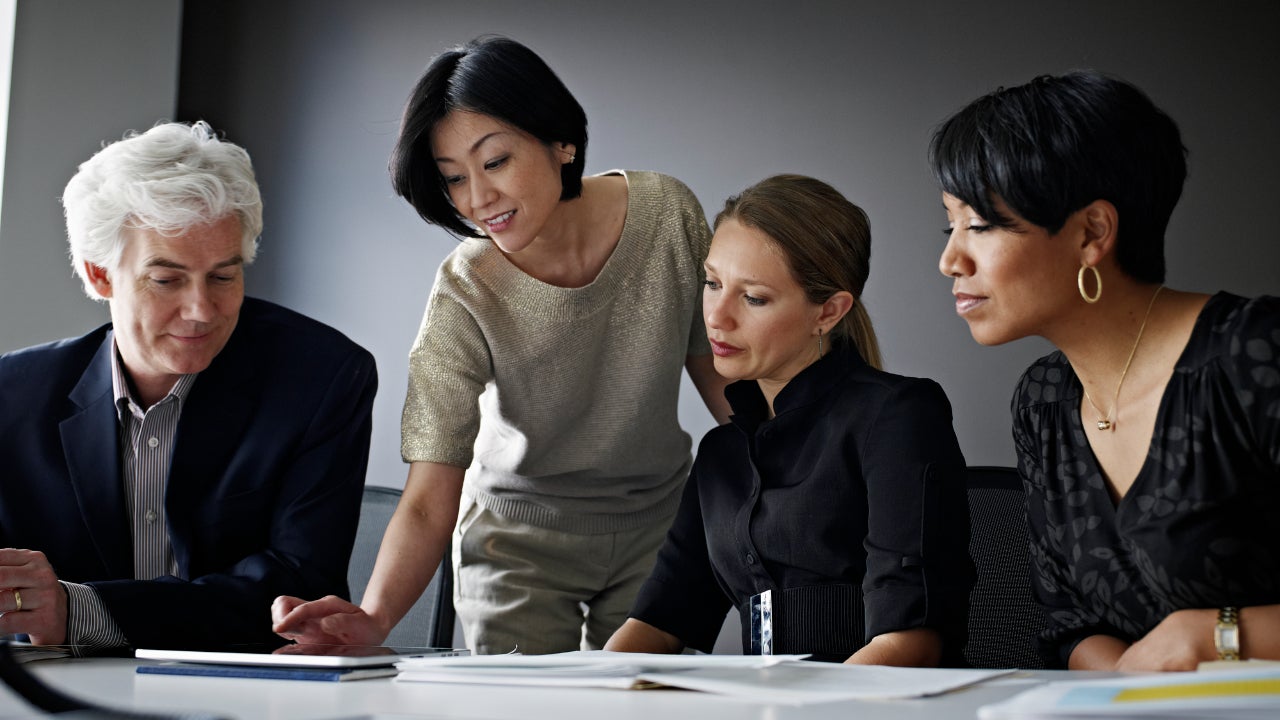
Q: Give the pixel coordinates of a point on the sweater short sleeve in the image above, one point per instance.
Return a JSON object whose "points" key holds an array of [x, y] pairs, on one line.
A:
{"points": [[698, 235], [449, 366]]}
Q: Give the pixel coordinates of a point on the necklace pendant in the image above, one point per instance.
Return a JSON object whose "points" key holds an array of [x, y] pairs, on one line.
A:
{"points": [[1104, 424]]}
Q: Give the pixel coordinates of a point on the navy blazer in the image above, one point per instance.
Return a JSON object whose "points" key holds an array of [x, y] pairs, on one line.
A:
{"points": [[263, 494]]}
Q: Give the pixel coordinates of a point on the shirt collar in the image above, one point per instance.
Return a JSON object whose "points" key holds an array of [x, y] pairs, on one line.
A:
{"points": [[125, 402], [808, 386]]}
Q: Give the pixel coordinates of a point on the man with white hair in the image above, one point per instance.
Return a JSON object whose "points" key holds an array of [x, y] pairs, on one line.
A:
{"points": [[167, 475]]}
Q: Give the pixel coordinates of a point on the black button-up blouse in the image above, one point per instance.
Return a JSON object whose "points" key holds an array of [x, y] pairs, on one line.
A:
{"points": [[858, 479]]}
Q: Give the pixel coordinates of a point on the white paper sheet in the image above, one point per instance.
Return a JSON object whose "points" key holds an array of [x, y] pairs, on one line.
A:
{"points": [[768, 678], [572, 669]]}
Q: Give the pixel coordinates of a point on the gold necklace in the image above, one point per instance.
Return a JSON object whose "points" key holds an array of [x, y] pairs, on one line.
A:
{"points": [[1105, 422]]}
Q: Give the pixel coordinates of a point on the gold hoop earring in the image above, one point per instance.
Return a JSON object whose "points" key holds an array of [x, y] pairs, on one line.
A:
{"points": [[1097, 278]]}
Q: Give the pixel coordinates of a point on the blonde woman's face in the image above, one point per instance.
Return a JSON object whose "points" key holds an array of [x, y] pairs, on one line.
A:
{"points": [[761, 325]]}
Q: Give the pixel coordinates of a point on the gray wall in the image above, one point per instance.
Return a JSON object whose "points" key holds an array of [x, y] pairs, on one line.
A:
{"points": [[75, 84], [721, 95]]}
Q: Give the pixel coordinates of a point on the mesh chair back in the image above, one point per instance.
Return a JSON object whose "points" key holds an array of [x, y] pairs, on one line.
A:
{"points": [[429, 623], [1004, 619]]}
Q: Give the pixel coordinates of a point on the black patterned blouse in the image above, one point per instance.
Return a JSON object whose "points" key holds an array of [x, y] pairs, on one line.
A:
{"points": [[1200, 527]]}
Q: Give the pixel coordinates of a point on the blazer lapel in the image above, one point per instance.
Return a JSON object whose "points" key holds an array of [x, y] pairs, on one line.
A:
{"points": [[211, 430], [91, 446]]}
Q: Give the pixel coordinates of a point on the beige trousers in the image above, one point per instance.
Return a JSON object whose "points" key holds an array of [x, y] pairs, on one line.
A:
{"points": [[527, 588]]}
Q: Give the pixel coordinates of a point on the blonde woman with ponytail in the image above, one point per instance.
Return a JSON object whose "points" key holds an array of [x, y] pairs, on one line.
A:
{"points": [[835, 498]]}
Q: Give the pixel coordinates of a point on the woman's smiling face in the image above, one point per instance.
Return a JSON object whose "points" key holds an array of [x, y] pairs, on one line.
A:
{"points": [[502, 179]]}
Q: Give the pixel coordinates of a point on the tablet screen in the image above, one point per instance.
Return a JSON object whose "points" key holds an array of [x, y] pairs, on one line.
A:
{"points": [[302, 655]]}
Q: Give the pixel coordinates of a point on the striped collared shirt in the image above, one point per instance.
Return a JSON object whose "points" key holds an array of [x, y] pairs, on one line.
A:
{"points": [[146, 452]]}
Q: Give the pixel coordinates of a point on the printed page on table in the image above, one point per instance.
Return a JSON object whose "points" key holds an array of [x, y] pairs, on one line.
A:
{"points": [[1225, 695]]}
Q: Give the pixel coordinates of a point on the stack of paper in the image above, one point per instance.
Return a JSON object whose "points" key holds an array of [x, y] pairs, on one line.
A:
{"points": [[26, 652], [1221, 694], [767, 678], [573, 669]]}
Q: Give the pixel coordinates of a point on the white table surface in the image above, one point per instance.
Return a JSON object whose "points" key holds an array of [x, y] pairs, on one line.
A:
{"points": [[114, 682]]}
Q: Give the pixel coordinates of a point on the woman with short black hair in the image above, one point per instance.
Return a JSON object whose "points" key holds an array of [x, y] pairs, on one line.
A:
{"points": [[1149, 443], [544, 381]]}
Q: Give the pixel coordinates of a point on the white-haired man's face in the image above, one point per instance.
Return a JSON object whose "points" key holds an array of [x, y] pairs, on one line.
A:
{"points": [[174, 301]]}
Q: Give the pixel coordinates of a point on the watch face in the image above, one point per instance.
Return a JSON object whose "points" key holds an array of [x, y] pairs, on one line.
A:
{"points": [[1226, 634], [1226, 637]]}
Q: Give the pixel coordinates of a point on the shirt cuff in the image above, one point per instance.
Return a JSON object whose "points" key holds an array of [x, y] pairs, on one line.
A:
{"points": [[89, 625]]}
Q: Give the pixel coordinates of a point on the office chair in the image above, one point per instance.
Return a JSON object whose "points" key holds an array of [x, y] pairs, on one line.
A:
{"points": [[429, 623], [1004, 618]]}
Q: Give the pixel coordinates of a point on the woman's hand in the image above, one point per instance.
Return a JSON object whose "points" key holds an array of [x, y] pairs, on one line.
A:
{"points": [[411, 550], [639, 636], [917, 647], [329, 620], [1097, 652], [1180, 642]]}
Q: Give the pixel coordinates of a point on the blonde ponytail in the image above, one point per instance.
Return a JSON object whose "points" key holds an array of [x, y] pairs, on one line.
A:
{"points": [[856, 325]]}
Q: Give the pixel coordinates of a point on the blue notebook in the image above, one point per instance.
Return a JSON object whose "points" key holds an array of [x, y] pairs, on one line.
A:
{"points": [[268, 673]]}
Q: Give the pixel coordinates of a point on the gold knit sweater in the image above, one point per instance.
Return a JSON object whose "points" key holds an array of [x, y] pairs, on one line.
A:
{"points": [[561, 402]]}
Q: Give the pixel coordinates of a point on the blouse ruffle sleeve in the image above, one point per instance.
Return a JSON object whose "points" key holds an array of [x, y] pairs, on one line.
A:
{"points": [[1252, 368], [1067, 616]]}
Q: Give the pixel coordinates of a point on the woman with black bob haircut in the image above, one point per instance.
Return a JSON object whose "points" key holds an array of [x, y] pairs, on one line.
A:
{"points": [[1149, 442], [492, 76], [540, 424], [832, 509]]}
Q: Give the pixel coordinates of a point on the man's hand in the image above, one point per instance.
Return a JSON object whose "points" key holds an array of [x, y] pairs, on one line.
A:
{"points": [[32, 601]]}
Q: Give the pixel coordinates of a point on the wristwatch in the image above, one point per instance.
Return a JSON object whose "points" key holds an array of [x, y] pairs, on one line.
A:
{"points": [[1226, 634]]}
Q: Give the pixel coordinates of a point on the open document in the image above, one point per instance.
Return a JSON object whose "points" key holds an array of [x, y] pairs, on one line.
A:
{"points": [[1221, 694], [764, 678]]}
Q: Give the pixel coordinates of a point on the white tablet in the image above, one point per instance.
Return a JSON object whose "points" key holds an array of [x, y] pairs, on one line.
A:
{"points": [[299, 655]]}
